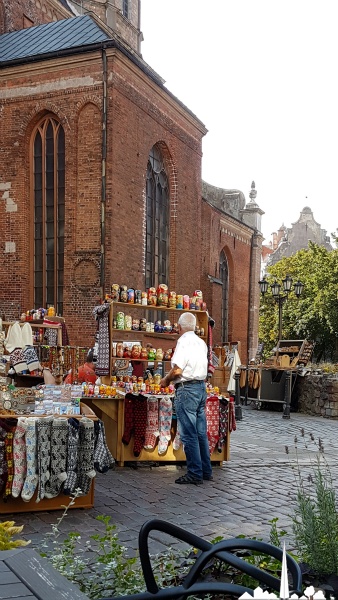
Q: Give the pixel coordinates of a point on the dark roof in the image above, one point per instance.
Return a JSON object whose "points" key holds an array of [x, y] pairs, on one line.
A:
{"points": [[52, 37]]}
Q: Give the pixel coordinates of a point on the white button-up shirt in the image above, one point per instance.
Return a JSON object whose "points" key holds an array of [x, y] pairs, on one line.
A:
{"points": [[191, 355]]}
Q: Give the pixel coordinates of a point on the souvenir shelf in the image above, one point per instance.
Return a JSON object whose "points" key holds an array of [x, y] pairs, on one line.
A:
{"points": [[17, 505], [111, 411], [38, 325], [163, 340]]}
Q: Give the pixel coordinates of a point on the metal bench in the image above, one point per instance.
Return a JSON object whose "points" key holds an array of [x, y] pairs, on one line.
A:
{"points": [[224, 551], [25, 575]]}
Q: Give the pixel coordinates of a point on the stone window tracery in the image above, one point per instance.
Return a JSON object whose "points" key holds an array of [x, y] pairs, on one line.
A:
{"points": [[157, 221], [48, 190]]}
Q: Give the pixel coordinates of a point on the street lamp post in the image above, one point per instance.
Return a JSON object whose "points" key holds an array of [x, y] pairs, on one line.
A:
{"points": [[281, 298]]}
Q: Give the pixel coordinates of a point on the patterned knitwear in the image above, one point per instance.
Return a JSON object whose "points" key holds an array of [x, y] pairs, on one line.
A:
{"points": [[165, 418], [58, 457], [86, 471], [232, 418], [140, 423], [19, 455], [31, 479], [29, 351], [177, 442], [212, 416], [223, 424], [7, 429], [128, 418], [103, 459], [101, 314], [152, 430], [43, 435], [72, 456]]}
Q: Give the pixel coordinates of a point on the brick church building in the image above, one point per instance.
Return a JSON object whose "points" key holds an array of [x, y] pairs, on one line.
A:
{"points": [[100, 176]]}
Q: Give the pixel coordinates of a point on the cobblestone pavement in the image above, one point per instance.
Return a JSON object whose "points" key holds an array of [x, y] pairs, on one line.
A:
{"points": [[255, 486]]}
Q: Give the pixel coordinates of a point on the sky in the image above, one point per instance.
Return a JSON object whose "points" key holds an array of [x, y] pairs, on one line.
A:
{"points": [[261, 75]]}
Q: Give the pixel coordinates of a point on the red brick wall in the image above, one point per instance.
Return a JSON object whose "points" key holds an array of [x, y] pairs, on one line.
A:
{"points": [[38, 11], [139, 116], [222, 233]]}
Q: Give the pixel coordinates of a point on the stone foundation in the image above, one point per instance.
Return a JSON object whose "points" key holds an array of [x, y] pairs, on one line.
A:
{"points": [[317, 395]]}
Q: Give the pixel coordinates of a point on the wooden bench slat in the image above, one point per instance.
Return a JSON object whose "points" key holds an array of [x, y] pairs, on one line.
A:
{"points": [[8, 577], [40, 577], [15, 590]]}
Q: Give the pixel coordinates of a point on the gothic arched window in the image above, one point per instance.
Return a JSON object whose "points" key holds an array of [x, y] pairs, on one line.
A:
{"points": [[157, 221], [48, 171], [224, 277]]}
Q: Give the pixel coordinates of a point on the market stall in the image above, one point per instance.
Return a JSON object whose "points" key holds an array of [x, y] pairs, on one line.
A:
{"points": [[142, 326]]}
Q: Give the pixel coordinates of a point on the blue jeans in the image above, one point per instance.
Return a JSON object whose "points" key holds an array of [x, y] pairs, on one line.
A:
{"points": [[190, 409]]}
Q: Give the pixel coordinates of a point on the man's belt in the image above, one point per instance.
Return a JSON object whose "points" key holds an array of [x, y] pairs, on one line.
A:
{"points": [[189, 382]]}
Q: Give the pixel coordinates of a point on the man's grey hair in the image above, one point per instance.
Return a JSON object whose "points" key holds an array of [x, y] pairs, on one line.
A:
{"points": [[187, 321]]}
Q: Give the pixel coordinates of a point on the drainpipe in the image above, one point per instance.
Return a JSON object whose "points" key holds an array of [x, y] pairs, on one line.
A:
{"points": [[103, 173]]}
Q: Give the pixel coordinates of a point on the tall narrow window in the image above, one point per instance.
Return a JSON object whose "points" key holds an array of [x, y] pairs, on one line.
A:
{"points": [[157, 225], [49, 213], [125, 8], [224, 277]]}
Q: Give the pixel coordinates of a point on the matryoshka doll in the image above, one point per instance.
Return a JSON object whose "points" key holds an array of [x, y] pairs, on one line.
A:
{"points": [[162, 295], [123, 293], [152, 296]]}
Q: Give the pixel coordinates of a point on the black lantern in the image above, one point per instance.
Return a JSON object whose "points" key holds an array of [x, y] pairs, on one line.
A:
{"points": [[287, 284], [275, 289], [298, 288], [263, 284]]}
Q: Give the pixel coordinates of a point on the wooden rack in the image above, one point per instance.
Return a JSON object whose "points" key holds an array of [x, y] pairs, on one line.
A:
{"points": [[17, 505]]}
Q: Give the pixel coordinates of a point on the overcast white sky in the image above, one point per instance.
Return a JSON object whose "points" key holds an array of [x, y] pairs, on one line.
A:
{"points": [[262, 76]]}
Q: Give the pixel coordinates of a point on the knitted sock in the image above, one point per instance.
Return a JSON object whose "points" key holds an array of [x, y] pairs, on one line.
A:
{"points": [[9, 426], [19, 454], [177, 439], [165, 418], [223, 424], [152, 431], [72, 456], [43, 434], [128, 418], [232, 418], [3, 463], [86, 454], [31, 480], [212, 415], [102, 455], [140, 420], [58, 457]]}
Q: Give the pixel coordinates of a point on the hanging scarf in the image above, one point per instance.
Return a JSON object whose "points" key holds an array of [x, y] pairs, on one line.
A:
{"points": [[101, 314]]}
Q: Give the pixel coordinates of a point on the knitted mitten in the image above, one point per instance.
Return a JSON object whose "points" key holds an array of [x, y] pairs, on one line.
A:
{"points": [[58, 457], [9, 426], [102, 455], [3, 462], [43, 434], [212, 415], [72, 456], [19, 454], [152, 431], [165, 418], [31, 480], [128, 418], [140, 420], [86, 454]]}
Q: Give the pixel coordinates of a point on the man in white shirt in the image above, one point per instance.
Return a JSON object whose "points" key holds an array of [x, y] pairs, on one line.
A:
{"points": [[189, 366]]}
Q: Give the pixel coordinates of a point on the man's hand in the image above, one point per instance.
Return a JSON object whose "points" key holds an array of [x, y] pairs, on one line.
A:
{"points": [[171, 376]]}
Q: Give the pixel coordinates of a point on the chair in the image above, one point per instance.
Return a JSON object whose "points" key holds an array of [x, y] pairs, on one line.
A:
{"points": [[223, 551]]}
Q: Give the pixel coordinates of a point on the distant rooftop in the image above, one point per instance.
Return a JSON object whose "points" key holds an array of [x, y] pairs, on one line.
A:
{"points": [[51, 37]]}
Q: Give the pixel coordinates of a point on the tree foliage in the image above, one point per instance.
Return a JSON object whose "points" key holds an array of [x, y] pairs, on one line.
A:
{"points": [[314, 316]]}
